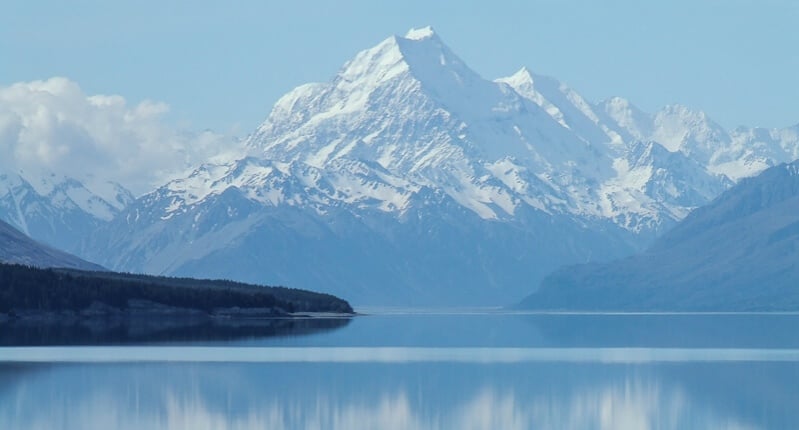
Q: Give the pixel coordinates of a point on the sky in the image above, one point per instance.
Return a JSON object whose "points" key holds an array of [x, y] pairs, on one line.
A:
{"points": [[222, 65], [143, 92]]}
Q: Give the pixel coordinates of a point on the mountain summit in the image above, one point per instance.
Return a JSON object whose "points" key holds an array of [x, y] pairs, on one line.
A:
{"points": [[410, 179]]}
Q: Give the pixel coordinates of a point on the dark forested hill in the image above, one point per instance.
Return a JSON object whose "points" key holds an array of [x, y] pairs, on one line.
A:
{"points": [[740, 252], [26, 291]]}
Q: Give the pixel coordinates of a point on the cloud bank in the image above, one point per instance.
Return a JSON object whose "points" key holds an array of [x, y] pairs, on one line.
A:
{"points": [[52, 126]]}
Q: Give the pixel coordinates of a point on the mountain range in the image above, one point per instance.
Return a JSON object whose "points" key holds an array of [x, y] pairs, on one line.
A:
{"points": [[410, 179], [737, 253], [58, 210]]}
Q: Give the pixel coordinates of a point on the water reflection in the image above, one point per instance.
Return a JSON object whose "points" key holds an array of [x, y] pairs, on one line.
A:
{"points": [[432, 330], [630, 407], [483, 355], [409, 396], [115, 331], [564, 330], [476, 371], [668, 330]]}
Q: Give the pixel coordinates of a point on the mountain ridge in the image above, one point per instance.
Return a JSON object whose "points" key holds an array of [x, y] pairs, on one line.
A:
{"points": [[406, 140], [16, 247], [736, 254]]}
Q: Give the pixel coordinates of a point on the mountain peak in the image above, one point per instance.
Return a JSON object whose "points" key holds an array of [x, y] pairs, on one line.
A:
{"points": [[396, 55], [526, 81], [420, 55], [522, 77], [524, 71], [421, 33]]}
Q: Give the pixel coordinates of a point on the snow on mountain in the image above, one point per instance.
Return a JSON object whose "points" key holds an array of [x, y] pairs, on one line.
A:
{"points": [[58, 210], [737, 253], [655, 187], [626, 119], [68, 158], [410, 179], [752, 150], [413, 107], [740, 153], [654, 183], [563, 104]]}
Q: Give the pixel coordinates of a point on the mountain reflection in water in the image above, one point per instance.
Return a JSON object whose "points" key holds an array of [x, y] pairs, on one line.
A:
{"points": [[391, 396], [117, 331], [474, 370]]}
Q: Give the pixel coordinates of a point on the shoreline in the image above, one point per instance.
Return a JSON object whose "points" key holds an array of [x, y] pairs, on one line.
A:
{"points": [[137, 309]]}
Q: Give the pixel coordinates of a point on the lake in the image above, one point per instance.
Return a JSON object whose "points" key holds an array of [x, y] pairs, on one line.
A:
{"points": [[407, 369]]}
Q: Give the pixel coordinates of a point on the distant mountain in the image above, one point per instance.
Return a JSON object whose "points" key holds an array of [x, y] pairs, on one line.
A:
{"points": [[410, 179], [741, 252], [57, 210], [15, 247]]}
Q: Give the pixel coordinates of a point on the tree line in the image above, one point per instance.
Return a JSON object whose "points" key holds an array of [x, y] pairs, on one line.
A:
{"points": [[30, 288]]}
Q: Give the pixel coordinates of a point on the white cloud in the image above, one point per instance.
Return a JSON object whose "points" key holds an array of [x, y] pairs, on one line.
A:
{"points": [[53, 126]]}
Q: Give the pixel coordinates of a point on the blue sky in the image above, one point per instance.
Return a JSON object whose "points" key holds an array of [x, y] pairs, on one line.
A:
{"points": [[221, 65]]}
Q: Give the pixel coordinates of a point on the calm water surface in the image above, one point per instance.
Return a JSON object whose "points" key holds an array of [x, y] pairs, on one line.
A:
{"points": [[390, 369]]}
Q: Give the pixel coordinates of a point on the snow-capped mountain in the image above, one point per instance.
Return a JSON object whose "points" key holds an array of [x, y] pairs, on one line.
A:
{"points": [[408, 178], [58, 210], [414, 110], [650, 186], [737, 154], [288, 223]]}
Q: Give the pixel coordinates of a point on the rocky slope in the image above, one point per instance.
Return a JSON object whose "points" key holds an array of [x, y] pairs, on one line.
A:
{"points": [[738, 253], [15, 247]]}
